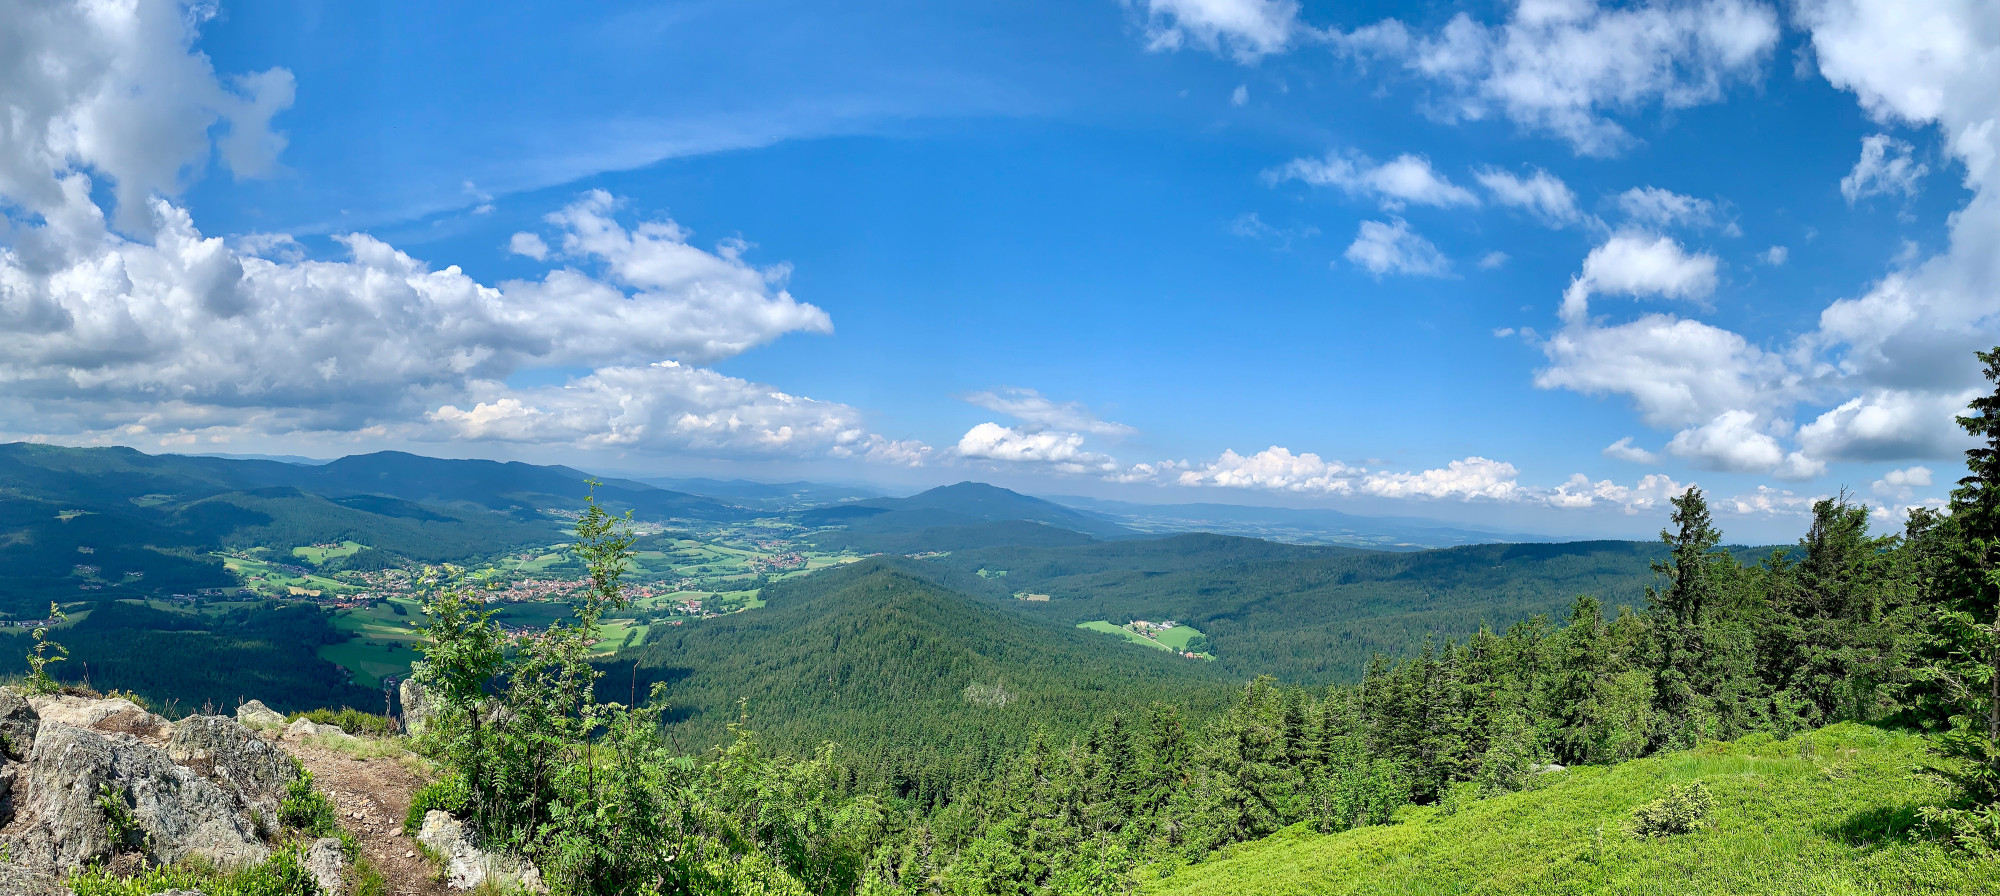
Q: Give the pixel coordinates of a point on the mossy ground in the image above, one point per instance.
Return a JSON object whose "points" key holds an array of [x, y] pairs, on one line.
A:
{"points": [[1828, 814]]}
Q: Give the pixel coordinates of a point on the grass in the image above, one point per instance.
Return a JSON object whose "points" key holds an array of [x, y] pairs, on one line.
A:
{"points": [[1830, 814], [1173, 640], [319, 555]]}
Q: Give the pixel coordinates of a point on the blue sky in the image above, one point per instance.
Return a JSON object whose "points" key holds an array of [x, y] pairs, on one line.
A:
{"points": [[1536, 265]]}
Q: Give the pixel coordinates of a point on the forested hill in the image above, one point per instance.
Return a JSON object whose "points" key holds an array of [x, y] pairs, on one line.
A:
{"points": [[1308, 614], [931, 685], [969, 512]]}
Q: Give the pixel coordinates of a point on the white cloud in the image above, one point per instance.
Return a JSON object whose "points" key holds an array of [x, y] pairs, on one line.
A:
{"points": [[1775, 256], [1639, 265], [115, 91], [1624, 450], [528, 245], [1473, 477], [1653, 207], [1384, 248], [1245, 29], [1901, 485], [1736, 442], [1041, 412], [1492, 260], [180, 336], [1240, 96], [1062, 452], [1890, 424], [1650, 493], [1272, 469], [1401, 181], [669, 407], [1540, 193], [1564, 67], [1887, 165]]}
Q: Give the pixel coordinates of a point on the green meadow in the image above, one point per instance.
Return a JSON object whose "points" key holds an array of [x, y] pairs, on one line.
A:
{"points": [[1831, 813]]}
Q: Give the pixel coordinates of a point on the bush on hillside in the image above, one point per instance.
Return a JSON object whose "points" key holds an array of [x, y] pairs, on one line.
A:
{"points": [[1683, 810]]}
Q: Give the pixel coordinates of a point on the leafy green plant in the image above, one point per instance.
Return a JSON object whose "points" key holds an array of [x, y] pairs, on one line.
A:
{"points": [[447, 794], [1683, 810], [47, 652], [119, 824], [307, 810]]}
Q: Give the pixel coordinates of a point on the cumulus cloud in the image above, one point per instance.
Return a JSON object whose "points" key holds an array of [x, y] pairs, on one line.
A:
{"points": [[1245, 29], [1396, 183], [1737, 442], [528, 245], [1492, 260], [668, 406], [1063, 452], [1640, 265], [162, 329], [1624, 450], [1385, 248], [1887, 165], [116, 91], [1653, 207], [1564, 67], [1473, 477], [1540, 193], [1041, 412], [1240, 96], [1890, 424], [1274, 469], [1901, 485], [1776, 256], [1650, 493]]}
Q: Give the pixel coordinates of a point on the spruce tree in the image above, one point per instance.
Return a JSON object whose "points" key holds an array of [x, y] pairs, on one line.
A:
{"points": [[1964, 648]]}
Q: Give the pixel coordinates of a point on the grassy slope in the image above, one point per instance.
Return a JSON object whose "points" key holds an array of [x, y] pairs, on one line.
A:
{"points": [[1828, 823]]}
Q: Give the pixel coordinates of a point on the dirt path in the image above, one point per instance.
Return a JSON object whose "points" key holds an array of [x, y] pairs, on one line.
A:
{"points": [[372, 796]]}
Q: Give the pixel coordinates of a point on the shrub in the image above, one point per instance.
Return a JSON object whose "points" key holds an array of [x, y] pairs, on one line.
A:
{"points": [[308, 810], [1683, 810], [284, 874], [448, 794]]}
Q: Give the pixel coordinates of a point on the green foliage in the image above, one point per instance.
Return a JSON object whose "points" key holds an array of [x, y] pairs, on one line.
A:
{"points": [[1683, 810], [448, 794], [283, 874], [45, 653], [1840, 821], [120, 826], [307, 810]]}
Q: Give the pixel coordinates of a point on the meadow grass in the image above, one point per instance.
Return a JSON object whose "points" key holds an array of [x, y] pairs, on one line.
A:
{"points": [[1832, 813]]}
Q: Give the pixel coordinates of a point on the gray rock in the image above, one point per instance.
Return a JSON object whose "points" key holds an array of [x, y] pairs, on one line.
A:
{"points": [[18, 881], [105, 715], [327, 862], [416, 706], [18, 722], [173, 813], [301, 729], [255, 714], [466, 865], [228, 754]]}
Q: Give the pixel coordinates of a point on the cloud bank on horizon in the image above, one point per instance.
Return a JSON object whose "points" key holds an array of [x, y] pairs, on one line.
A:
{"points": [[122, 320]]}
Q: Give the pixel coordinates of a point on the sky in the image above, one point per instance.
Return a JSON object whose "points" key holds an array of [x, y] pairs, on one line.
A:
{"points": [[1539, 265]]}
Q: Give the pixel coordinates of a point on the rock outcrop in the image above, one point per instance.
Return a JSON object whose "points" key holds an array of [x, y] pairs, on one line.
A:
{"points": [[466, 866], [301, 729], [222, 751], [255, 714], [416, 706], [86, 780], [88, 796]]}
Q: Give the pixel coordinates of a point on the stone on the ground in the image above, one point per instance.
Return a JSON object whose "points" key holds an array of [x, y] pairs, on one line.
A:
{"points": [[466, 865], [301, 729], [326, 862], [172, 812], [255, 714], [18, 722], [228, 754]]}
